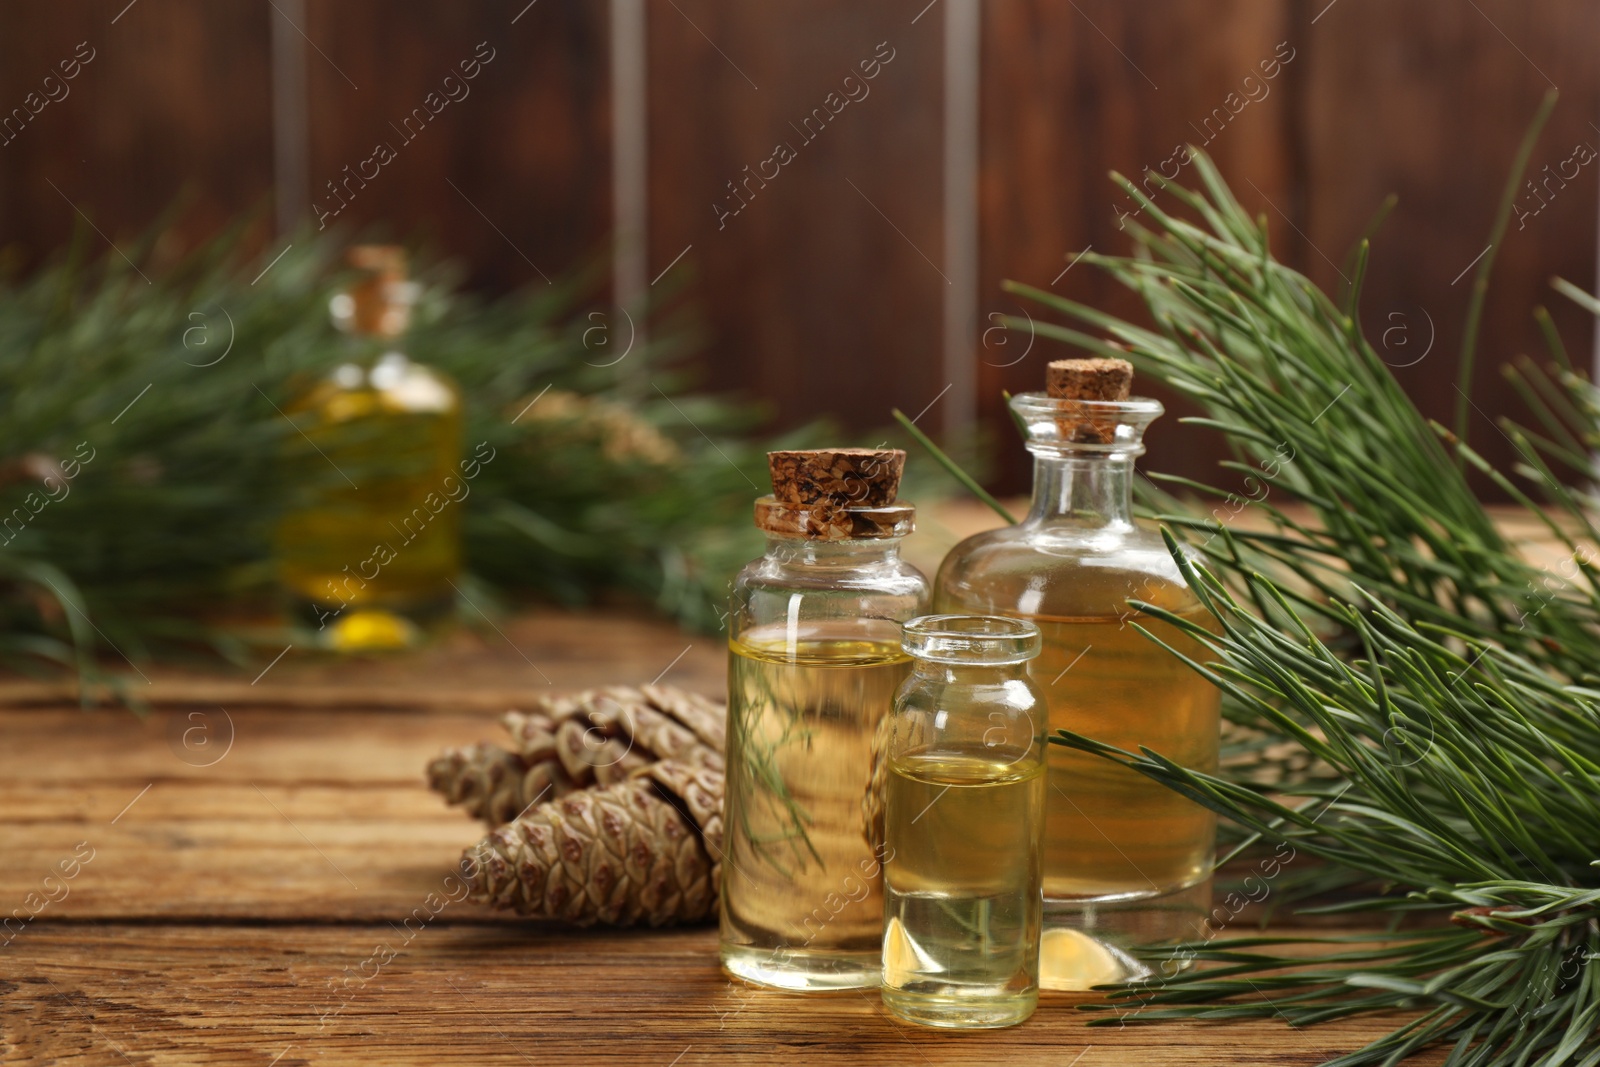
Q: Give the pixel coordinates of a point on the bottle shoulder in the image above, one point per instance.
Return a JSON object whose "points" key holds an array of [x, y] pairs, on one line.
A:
{"points": [[391, 384], [1038, 570], [896, 577], [771, 592]]}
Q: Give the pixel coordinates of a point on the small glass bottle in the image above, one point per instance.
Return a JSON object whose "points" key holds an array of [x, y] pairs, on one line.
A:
{"points": [[814, 662], [964, 825], [1127, 860], [369, 549]]}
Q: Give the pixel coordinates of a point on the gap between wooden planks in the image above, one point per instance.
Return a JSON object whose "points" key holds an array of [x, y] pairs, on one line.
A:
{"points": [[262, 901]]}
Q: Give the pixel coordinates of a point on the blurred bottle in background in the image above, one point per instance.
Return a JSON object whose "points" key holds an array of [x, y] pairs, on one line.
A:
{"points": [[370, 545]]}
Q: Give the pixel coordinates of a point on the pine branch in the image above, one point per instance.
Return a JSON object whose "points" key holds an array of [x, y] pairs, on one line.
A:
{"points": [[1448, 682], [176, 386]]}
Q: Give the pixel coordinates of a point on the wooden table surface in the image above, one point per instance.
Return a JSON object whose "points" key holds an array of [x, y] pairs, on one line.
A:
{"points": [[246, 857]]}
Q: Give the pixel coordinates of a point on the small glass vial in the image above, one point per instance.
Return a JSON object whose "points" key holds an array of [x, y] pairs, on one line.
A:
{"points": [[964, 825], [814, 662], [369, 549], [1127, 860]]}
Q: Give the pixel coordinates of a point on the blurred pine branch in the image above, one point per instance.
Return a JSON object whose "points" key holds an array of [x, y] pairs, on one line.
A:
{"points": [[158, 391]]}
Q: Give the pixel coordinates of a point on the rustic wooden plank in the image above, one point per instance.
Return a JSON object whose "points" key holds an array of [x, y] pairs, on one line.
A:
{"points": [[518, 995], [1431, 103], [175, 99], [525, 141], [1073, 91], [820, 286], [480, 667], [259, 813]]}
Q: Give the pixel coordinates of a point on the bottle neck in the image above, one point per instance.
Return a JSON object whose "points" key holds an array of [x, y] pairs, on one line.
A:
{"points": [[1082, 490], [810, 552], [968, 673]]}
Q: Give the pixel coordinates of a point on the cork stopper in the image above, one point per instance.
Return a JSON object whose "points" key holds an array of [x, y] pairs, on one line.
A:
{"points": [[1089, 379], [1095, 379], [844, 477], [379, 303], [835, 494], [388, 261]]}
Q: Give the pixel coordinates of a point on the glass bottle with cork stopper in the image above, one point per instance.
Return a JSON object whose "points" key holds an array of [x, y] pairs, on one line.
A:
{"points": [[1127, 861], [964, 820], [814, 662], [368, 551]]}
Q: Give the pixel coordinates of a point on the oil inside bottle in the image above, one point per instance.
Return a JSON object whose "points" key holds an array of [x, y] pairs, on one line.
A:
{"points": [[1113, 832], [1119, 845], [802, 904], [371, 549], [963, 911], [368, 551]]}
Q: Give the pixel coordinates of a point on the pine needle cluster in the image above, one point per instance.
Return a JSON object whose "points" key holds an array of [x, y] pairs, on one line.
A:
{"points": [[140, 473], [1383, 623]]}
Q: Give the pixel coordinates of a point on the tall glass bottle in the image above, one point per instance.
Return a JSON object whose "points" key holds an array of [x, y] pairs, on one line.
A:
{"points": [[814, 663], [1127, 861], [368, 551]]}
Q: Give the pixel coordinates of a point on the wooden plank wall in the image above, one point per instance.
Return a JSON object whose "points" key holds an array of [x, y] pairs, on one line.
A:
{"points": [[821, 290]]}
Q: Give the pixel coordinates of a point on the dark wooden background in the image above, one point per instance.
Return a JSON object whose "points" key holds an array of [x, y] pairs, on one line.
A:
{"points": [[826, 294]]}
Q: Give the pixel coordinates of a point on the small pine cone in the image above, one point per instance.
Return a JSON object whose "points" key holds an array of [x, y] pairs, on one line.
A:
{"points": [[484, 778], [532, 735], [700, 790], [638, 851], [707, 719], [545, 780]]}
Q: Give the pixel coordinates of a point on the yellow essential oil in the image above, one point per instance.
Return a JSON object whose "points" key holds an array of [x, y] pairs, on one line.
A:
{"points": [[368, 551], [961, 888], [1112, 831], [802, 904]]}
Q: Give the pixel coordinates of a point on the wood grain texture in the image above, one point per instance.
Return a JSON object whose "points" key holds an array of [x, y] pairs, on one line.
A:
{"points": [[517, 995], [821, 295], [287, 897], [1074, 91], [526, 142], [1430, 102], [482, 668], [174, 109]]}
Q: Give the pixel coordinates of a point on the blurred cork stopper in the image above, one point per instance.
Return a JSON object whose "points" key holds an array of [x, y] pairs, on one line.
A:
{"points": [[377, 302], [843, 477], [1094, 379]]}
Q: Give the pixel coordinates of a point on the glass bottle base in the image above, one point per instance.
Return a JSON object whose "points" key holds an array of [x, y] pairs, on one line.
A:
{"points": [[1088, 943], [376, 627], [975, 1011], [803, 970]]}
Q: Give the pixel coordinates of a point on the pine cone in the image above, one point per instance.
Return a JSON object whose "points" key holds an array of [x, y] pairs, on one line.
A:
{"points": [[579, 740], [644, 850], [484, 778], [608, 803]]}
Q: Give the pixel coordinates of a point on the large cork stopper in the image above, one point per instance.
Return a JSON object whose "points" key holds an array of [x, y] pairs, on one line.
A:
{"points": [[835, 494], [378, 301], [1094, 379], [845, 477]]}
